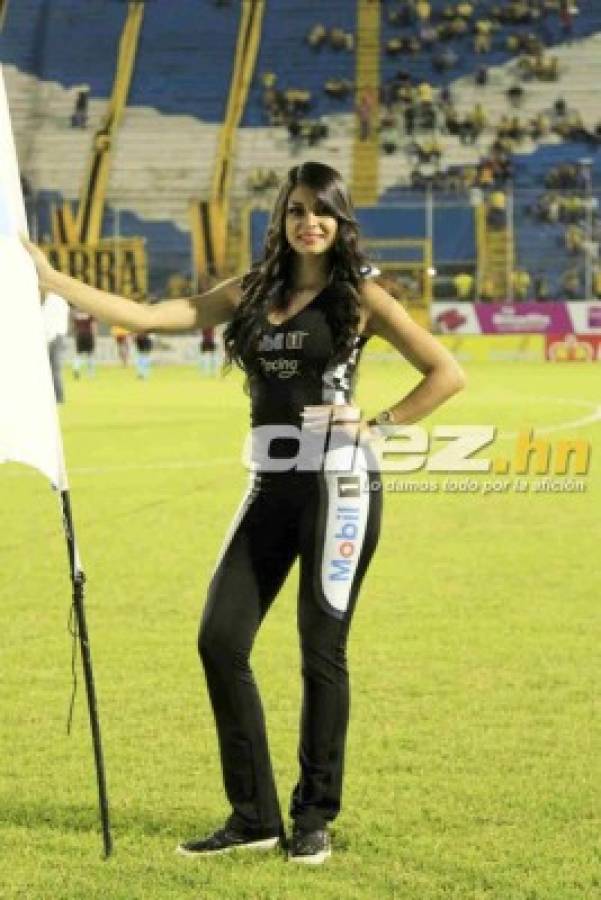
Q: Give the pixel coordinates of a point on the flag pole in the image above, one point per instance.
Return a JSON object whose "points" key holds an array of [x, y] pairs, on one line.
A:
{"points": [[78, 580], [36, 440]]}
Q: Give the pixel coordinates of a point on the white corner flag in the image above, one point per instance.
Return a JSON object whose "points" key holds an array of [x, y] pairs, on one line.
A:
{"points": [[29, 426]]}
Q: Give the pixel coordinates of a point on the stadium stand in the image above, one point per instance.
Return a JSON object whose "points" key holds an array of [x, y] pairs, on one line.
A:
{"points": [[287, 52], [468, 100], [150, 181], [172, 76], [543, 215]]}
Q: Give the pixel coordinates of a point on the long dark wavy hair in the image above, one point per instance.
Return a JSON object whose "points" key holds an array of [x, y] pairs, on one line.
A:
{"points": [[269, 283]]}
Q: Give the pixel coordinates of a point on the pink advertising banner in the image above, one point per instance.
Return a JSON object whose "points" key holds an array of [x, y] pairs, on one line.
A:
{"points": [[577, 316], [523, 318]]}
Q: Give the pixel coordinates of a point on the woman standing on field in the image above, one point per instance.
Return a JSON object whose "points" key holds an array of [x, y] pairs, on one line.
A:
{"points": [[297, 323]]}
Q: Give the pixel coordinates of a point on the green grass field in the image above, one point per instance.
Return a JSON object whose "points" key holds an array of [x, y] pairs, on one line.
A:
{"points": [[473, 766]]}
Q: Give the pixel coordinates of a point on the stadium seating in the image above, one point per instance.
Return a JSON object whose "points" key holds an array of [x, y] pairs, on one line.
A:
{"points": [[453, 228], [587, 22], [36, 33], [165, 147], [285, 52], [541, 243], [184, 62], [540, 246]]}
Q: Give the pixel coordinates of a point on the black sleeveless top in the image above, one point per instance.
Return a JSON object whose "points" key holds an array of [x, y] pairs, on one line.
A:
{"points": [[291, 367]]}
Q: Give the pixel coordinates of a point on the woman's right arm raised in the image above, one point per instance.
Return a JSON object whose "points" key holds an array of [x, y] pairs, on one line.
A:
{"points": [[202, 311]]}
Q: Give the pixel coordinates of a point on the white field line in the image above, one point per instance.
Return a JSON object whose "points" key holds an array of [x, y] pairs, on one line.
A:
{"points": [[134, 467], [594, 416], [153, 467]]}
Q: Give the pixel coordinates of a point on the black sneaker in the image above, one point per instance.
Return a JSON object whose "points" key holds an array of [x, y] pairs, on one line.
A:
{"points": [[311, 847], [224, 840]]}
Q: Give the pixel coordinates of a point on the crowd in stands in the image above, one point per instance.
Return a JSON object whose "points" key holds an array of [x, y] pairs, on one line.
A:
{"points": [[481, 21], [524, 286], [336, 38], [420, 117], [411, 106], [411, 110], [261, 179], [414, 118], [290, 107], [433, 30], [566, 202]]}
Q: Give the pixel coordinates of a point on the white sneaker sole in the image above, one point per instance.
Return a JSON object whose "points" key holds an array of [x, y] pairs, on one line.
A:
{"points": [[315, 860], [266, 844]]}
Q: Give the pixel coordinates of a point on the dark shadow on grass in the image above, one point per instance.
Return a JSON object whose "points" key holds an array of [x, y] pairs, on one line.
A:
{"points": [[84, 817], [126, 822]]}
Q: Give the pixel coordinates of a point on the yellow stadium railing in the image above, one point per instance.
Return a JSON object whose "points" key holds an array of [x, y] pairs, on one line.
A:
{"points": [[3, 9], [85, 226], [366, 151], [214, 218], [92, 199]]}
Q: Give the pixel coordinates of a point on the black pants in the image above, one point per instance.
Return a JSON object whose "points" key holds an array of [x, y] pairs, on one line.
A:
{"points": [[332, 522]]}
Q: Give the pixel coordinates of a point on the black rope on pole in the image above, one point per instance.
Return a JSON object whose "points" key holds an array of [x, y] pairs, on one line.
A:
{"points": [[78, 580], [72, 628]]}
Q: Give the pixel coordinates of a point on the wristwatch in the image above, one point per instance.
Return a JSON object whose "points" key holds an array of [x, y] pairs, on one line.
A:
{"points": [[384, 418], [382, 421]]}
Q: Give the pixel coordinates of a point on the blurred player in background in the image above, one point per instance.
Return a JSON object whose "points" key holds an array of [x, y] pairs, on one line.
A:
{"points": [[208, 359], [120, 336], [143, 342], [84, 328]]}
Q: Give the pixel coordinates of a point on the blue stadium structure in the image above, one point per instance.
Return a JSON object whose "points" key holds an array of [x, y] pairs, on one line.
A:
{"points": [[185, 63]]}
